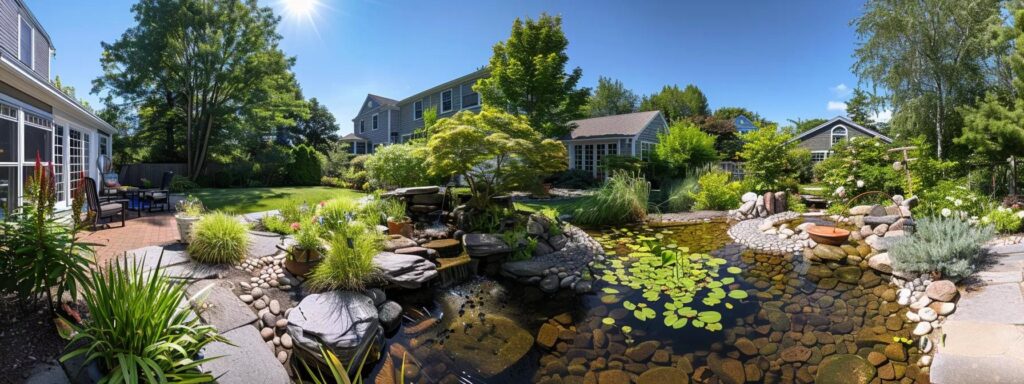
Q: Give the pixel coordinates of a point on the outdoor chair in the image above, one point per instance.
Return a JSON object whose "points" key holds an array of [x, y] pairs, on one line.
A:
{"points": [[161, 196], [100, 210]]}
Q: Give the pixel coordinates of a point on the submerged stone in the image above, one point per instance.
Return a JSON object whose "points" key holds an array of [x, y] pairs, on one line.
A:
{"points": [[843, 369]]}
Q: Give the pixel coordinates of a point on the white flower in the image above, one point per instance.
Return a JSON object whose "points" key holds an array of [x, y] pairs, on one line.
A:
{"points": [[860, 183], [841, 191], [958, 202], [946, 212], [950, 198], [1020, 214]]}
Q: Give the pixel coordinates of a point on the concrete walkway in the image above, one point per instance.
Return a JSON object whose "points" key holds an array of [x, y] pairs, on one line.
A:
{"points": [[983, 341]]}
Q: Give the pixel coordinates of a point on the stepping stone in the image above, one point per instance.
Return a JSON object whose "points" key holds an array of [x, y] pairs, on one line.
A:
{"points": [[445, 247], [1004, 277], [979, 339], [248, 361], [226, 311], [1007, 249], [997, 303], [1013, 262], [150, 257], [263, 244], [195, 271], [950, 368]]}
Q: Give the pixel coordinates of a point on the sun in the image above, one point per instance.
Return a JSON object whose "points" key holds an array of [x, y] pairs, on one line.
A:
{"points": [[300, 15], [301, 9]]}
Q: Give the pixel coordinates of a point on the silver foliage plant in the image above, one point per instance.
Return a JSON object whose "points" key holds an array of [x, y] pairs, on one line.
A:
{"points": [[948, 246]]}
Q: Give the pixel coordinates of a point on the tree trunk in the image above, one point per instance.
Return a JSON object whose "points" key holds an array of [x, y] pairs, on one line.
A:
{"points": [[1013, 177]]}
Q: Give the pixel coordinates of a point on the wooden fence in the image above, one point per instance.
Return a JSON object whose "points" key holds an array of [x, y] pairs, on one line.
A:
{"points": [[132, 174]]}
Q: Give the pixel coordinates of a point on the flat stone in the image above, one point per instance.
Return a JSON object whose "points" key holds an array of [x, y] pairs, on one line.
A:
{"points": [[1006, 277], [162, 256], [416, 190], [998, 303], [482, 245], [247, 361], [394, 242], [663, 375], [845, 369], [195, 271], [980, 339], [877, 220], [224, 311], [881, 262], [951, 368]]}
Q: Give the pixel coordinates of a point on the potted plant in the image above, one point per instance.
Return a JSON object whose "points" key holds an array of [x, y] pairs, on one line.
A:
{"points": [[189, 211], [398, 222], [306, 252]]}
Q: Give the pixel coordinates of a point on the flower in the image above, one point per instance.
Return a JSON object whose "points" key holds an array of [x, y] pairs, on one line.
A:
{"points": [[841, 191], [946, 212], [295, 226], [860, 183], [958, 202]]}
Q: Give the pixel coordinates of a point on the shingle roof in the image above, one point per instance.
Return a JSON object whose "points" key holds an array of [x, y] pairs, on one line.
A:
{"points": [[383, 100], [351, 137], [628, 124], [845, 120]]}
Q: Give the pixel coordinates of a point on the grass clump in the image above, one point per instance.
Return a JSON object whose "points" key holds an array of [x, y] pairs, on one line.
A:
{"points": [[218, 238], [348, 263], [621, 199], [137, 332], [947, 246], [679, 196], [716, 192]]}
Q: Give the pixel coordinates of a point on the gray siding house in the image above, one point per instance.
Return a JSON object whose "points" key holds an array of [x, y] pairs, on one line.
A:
{"points": [[819, 140], [38, 118], [382, 120], [630, 134]]}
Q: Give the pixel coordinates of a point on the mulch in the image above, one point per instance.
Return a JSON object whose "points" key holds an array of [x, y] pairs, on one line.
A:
{"points": [[27, 337]]}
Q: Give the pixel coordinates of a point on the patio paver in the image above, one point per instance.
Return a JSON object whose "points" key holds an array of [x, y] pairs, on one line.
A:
{"points": [[151, 229]]}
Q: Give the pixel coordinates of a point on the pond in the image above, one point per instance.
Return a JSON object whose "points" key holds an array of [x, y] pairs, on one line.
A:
{"points": [[670, 304]]}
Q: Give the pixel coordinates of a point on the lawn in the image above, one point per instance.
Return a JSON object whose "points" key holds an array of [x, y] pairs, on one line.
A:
{"points": [[248, 200], [560, 205]]}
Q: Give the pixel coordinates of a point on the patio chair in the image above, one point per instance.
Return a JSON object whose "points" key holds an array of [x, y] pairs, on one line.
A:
{"points": [[100, 210], [161, 196]]}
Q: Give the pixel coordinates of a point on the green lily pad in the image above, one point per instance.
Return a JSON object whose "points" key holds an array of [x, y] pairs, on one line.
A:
{"points": [[738, 294], [733, 270], [610, 290], [608, 321]]}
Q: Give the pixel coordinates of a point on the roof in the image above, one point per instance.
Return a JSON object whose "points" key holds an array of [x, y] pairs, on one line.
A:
{"points": [[382, 100], [743, 124], [845, 121], [627, 124], [351, 137], [51, 94], [477, 73]]}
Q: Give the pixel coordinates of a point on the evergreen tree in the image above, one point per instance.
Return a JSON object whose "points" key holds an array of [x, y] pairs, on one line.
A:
{"points": [[611, 97]]}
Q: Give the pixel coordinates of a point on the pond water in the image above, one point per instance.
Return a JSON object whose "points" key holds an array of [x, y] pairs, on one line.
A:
{"points": [[671, 304]]}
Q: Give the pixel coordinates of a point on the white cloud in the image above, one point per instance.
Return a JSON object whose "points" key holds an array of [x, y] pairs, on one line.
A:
{"points": [[841, 90], [837, 106], [882, 116]]}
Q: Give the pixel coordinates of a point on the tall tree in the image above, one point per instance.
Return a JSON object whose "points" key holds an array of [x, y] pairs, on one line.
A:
{"points": [[214, 65], [319, 129], [930, 56], [528, 76], [799, 126], [611, 97], [859, 108], [676, 103]]}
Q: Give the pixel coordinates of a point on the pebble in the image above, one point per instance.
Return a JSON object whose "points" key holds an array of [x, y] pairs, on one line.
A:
{"points": [[277, 340], [246, 298], [256, 293], [924, 344], [282, 357], [927, 314], [281, 324], [275, 307], [259, 304], [286, 341], [925, 361], [267, 333], [922, 329]]}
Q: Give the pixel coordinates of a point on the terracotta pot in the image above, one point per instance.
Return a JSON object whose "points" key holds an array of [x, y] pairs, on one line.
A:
{"points": [[301, 261], [403, 227], [822, 234]]}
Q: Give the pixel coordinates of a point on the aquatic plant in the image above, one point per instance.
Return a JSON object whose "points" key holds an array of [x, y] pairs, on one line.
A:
{"points": [[663, 270]]}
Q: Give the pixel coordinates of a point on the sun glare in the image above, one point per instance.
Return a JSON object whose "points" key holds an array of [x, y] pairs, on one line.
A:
{"points": [[301, 15], [301, 8]]}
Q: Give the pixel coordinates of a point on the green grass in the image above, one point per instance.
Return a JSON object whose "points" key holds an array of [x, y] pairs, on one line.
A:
{"points": [[560, 205], [813, 189], [248, 200]]}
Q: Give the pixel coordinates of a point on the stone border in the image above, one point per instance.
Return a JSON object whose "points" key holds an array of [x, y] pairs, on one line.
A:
{"points": [[748, 233], [560, 269]]}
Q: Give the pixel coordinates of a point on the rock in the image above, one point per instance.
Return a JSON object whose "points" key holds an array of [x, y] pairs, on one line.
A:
{"points": [[877, 358], [341, 321], [378, 296], [748, 197], [246, 298], [881, 262], [745, 346], [896, 352], [558, 242], [924, 361], [267, 333], [613, 376], [406, 271], [849, 274], [410, 191], [747, 207], [728, 370], [443, 248], [526, 268], [483, 245], [877, 220], [942, 309], [281, 324], [910, 203], [394, 242], [861, 210], [941, 290], [829, 252], [880, 230], [550, 283], [920, 303], [275, 307], [922, 328], [927, 314], [769, 203], [547, 335], [844, 368], [286, 341], [663, 375], [390, 315], [924, 344], [643, 351], [796, 353]]}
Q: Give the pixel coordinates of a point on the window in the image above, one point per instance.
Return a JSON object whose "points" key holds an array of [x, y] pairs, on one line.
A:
{"points": [[103, 145], [374, 124], [8, 141], [8, 189], [838, 134], [394, 137], [362, 126], [646, 148], [58, 161], [470, 100], [38, 138], [817, 156], [417, 110], [25, 37], [446, 101], [578, 156]]}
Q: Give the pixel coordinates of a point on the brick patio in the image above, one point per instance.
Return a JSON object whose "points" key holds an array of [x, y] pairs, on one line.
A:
{"points": [[151, 229]]}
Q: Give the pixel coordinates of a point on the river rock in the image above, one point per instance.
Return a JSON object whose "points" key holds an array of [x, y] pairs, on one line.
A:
{"points": [[896, 352], [849, 274], [613, 376], [881, 262], [506, 343], [927, 314], [941, 290], [728, 370], [547, 335], [643, 351], [390, 314], [748, 197], [845, 368], [341, 321], [796, 353], [877, 220], [922, 328], [663, 375]]}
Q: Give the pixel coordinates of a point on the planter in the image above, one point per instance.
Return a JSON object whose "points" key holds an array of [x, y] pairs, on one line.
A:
{"points": [[175, 199], [185, 227], [822, 234], [403, 227], [301, 261]]}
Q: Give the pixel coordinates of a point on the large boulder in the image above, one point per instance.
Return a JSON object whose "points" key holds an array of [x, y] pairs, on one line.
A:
{"points": [[344, 322], [844, 369], [941, 290], [485, 245], [406, 271]]}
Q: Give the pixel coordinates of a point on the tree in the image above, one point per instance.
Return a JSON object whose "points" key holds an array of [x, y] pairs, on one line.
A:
{"points": [[398, 165], [319, 129], [930, 56], [799, 126], [859, 108], [685, 147], [528, 76], [212, 69], [676, 103], [305, 169], [494, 151], [771, 162], [611, 97]]}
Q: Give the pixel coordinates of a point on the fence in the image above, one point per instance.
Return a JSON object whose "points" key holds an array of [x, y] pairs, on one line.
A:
{"points": [[132, 174], [735, 168]]}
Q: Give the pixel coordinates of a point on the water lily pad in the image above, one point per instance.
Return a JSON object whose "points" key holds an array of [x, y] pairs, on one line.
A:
{"points": [[610, 290], [734, 270], [738, 294], [709, 316], [627, 329], [608, 321], [628, 305]]}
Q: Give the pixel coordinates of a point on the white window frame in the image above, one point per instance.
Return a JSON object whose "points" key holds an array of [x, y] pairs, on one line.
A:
{"points": [[640, 151], [375, 121], [31, 43], [451, 100], [362, 125], [823, 153], [478, 100], [415, 108], [832, 135]]}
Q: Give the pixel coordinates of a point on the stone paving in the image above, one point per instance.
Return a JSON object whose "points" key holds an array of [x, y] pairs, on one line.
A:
{"points": [[983, 341], [156, 228]]}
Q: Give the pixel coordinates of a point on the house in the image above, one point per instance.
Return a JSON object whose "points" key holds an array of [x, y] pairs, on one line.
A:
{"points": [[36, 117], [743, 124], [382, 120], [630, 134], [820, 139]]}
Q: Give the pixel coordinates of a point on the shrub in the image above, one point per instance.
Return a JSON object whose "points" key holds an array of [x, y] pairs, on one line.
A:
{"points": [[795, 203], [336, 159], [305, 170], [859, 165], [218, 238], [182, 184], [348, 264], [770, 161], [271, 165], [336, 182], [1003, 219], [684, 146], [951, 198], [336, 212], [948, 246], [679, 196], [138, 331], [356, 175], [575, 179], [716, 192], [621, 199], [397, 165], [276, 224]]}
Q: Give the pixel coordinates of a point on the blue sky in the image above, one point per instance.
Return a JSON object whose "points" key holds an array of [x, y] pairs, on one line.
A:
{"points": [[784, 59]]}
